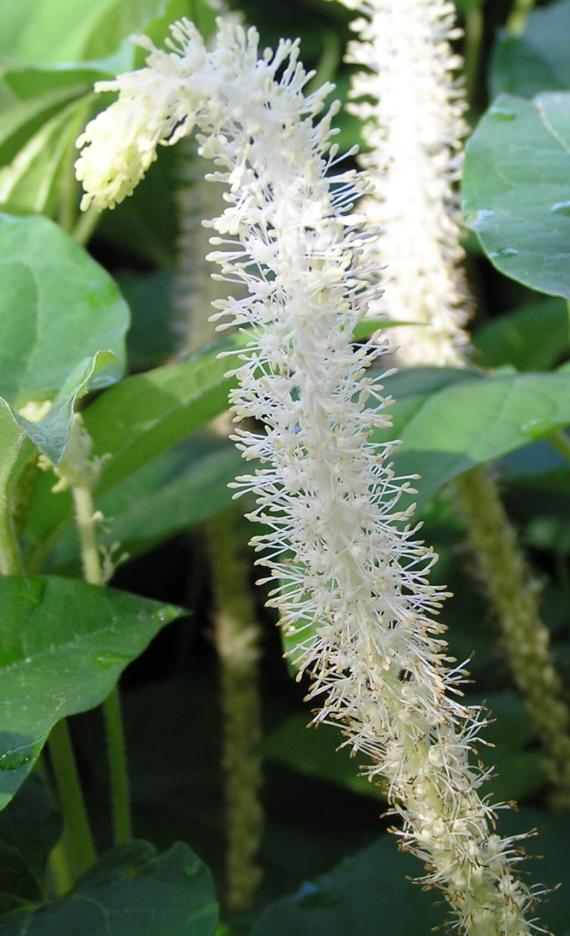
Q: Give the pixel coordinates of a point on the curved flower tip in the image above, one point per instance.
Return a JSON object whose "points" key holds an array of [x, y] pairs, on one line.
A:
{"points": [[155, 106]]}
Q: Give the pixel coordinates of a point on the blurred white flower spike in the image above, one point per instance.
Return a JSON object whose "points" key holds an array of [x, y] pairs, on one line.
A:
{"points": [[348, 576], [410, 98]]}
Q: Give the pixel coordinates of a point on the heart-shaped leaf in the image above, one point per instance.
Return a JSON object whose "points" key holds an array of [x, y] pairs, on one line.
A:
{"points": [[131, 891], [516, 189], [63, 646]]}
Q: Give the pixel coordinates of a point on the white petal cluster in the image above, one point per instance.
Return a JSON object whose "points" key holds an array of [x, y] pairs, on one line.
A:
{"points": [[348, 575], [412, 104]]}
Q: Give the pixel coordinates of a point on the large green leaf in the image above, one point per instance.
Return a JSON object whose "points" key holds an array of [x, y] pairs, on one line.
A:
{"points": [[136, 421], [366, 894], [538, 59], [516, 189], [62, 328], [63, 646], [131, 891], [58, 307], [181, 488], [29, 828], [50, 32], [534, 337], [450, 421]]}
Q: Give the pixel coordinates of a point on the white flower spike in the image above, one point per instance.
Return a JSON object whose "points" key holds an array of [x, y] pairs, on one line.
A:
{"points": [[411, 102], [347, 572]]}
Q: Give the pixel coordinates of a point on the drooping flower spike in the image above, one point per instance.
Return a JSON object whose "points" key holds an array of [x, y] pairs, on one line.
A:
{"points": [[411, 102], [349, 577]]}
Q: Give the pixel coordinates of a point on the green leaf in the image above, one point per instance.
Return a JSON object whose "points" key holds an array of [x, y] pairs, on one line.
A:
{"points": [[63, 646], [534, 337], [516, 194], [314, 752], [365, 894], [62, 328], [29, 828], [32, 182], [136, 421], [180, 489], [58, 307], [152, 338], [131, 891], [538, 59], [50, 434], [37, 32], [450, 421]]}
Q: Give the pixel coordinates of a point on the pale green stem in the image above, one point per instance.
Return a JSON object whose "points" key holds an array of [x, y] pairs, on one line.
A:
{"points": [[116, 748], [86, 224], [514, 597], [237, 638], [10, 556], [77, 831], [474, 25], [519, 13]]}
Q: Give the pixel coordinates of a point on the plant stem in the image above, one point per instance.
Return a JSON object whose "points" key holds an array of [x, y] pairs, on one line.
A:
{"points": [[77, 831], [517, 20], [117, 753], [86, 224], [236, 635], [561, 443], [116, 748], [10, 556], [474, 25], [514, 597]]}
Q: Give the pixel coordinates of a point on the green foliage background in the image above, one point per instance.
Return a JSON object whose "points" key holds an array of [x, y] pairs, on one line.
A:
{"points": [[329, 865]]}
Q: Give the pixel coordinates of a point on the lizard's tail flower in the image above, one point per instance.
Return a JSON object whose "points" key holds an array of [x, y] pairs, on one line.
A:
{"points": [[348, 575], [411, 101]]}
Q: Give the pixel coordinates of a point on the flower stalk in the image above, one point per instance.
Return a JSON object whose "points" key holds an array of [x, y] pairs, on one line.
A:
{"points": [[339, 548], [237, 636], [79, 472]]}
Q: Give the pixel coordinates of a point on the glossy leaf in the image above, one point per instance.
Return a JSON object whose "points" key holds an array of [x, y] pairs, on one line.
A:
{"points": [[534, 337], [537, 60], [369, 891], [515, 189], [131, 891], [63, 646], [58, 308], [449, 421]]}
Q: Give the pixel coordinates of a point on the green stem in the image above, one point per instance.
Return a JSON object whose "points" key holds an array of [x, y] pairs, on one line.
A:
{"points": [[10, 556], [60, 873], [77, 831], [474, 25], [517, 20], [116, 748], [237, 638], [85, 226], [561, 443]]}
